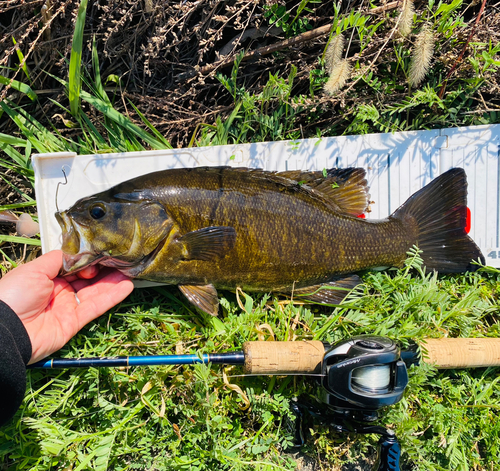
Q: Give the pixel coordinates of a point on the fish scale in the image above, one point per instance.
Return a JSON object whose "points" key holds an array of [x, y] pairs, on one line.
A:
{"points": [[283, 251]]}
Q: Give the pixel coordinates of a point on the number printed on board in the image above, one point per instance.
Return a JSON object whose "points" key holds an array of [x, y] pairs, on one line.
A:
{"points": [[494, 254]]}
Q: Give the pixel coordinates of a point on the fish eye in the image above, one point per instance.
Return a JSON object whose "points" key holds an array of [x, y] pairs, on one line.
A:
{"points": [[97, 211]]}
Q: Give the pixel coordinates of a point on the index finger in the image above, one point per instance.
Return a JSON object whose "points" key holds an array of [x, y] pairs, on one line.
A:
{"points": [[86, 273]]}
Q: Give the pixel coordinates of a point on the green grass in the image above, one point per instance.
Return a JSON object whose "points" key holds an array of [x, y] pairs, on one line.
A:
{"points": [[178, 417], [184, 417]]}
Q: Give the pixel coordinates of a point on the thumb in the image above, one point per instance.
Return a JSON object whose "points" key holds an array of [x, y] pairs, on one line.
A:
{"points": [[48, 264]]}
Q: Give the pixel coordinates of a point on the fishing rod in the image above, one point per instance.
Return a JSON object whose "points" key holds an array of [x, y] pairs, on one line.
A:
{"points": [[354, 378], [301, 357], [265, 358]]}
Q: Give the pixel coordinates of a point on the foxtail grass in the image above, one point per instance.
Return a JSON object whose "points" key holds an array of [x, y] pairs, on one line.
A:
{"points": [[338, 77], [421, 57], [406, 18], [334, 51], [338, 68]]}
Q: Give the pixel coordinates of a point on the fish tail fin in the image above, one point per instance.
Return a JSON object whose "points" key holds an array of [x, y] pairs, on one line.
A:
{"points": [[438, 214]]}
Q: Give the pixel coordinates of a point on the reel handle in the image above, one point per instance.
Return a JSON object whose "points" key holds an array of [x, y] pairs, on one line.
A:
{"points": [[271, 358], [461, 352]]}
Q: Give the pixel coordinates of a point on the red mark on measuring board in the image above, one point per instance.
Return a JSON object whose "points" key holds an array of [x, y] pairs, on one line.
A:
{"points": [[467, 221], [362, 216]]}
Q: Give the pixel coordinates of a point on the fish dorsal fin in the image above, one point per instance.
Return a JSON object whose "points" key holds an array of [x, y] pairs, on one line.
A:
{"points": [[346, 188], [332, 292], [204, 297], [209, 243]]}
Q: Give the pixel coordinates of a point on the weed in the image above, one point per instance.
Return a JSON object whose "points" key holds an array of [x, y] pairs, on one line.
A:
{"points": [[268, 116], [278, 15]]}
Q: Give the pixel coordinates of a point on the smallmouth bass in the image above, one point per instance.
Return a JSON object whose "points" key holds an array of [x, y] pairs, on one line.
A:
{"points": [[213, 228]]}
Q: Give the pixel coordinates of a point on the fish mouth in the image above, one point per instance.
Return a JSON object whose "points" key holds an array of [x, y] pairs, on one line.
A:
{"points": [[74, 263], [77, 255]]}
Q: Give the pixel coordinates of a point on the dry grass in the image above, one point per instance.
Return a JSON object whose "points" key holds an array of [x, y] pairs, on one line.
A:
{"points": [[156, 48]]}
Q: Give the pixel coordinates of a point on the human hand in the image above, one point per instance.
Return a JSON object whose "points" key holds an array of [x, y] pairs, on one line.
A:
{"points": [[52, 308]]}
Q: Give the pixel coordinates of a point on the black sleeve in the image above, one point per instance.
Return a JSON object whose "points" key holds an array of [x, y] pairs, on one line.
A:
{"points": [[15, 353]]}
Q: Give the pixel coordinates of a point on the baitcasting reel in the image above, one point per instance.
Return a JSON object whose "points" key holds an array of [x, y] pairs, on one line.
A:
{"points": [[359, 376]]}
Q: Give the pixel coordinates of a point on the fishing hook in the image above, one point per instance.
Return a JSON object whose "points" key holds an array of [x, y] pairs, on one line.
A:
{"points": [[60, 183]]}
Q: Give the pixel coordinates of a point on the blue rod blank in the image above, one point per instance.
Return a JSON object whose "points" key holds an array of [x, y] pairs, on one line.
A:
{"points": [[229, 358]]}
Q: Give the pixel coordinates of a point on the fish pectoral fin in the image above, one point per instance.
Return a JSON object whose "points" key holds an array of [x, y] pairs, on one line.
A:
{"points": [[204, 297], [332, 292], [209, 243]]}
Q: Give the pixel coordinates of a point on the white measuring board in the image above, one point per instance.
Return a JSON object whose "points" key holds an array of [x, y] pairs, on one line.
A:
{"points": [[397, 166]]}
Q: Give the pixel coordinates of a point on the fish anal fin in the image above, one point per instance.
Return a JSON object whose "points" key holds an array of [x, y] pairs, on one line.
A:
{"points": [[332, 292], [204, 297], [209, 243]]}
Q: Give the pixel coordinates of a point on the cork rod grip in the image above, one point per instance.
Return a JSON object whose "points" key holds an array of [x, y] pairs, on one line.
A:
{"points": [[273, 358], [461, 353]]}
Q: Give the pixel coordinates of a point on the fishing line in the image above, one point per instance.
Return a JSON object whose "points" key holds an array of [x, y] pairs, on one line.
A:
{"points": [[278, 374], [373, 377]]}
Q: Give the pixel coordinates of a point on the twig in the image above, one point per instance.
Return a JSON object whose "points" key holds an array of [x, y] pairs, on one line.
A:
{"points": [[239, 38], [3, 10], [263, 51], [388, 6], [460, 57], [486, 104], [32, 46]]}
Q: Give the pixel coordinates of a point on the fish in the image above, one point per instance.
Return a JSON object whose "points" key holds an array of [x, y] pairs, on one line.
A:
{"points": [[293, 232]]}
